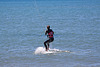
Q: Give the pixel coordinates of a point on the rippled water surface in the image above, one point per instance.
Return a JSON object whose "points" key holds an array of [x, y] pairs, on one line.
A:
{"points": [[76, 25]]}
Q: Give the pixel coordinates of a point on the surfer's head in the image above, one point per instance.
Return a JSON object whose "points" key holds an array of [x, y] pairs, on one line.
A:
{"points": [[48, 27]]}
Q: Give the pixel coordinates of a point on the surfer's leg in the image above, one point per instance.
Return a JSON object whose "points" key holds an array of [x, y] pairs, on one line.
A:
{"points": [[51, 39], [46, 45]]}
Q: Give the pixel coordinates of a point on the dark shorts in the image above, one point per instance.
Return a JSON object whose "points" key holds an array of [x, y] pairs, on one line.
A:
{"points": [[49, 40]]}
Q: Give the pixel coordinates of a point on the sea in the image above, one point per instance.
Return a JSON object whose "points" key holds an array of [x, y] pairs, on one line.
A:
{"points": [[76, 26]]}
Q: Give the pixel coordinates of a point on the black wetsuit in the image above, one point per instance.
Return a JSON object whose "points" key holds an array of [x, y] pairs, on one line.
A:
{"points": [[51, 38]]}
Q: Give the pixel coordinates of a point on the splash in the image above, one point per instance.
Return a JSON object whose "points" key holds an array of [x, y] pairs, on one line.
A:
{"points": [[41, 50]]}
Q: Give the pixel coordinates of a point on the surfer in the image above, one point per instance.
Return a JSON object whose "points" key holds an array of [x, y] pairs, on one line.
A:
{"points": [[50, 36]]}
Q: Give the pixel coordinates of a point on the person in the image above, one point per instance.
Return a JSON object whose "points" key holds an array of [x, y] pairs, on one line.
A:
{"points": [[49, 34]]}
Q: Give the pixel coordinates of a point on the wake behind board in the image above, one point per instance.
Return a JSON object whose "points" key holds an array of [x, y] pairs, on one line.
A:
{"points": [[41, 50], [57, 50]]}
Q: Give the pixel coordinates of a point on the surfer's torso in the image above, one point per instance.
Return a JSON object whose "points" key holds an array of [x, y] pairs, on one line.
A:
{"points": [[49, 32]]}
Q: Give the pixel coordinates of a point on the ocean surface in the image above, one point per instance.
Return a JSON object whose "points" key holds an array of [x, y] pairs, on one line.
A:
{"points": [[77, 30]]}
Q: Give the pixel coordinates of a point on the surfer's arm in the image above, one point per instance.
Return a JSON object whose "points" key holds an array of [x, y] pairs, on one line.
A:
{"points": [[46, 32], [53, 32]]}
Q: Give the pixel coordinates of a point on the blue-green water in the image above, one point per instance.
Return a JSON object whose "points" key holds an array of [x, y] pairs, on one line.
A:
{"points": [[76, 25]]}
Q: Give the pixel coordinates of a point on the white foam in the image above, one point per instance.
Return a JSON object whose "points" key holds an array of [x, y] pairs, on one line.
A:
{"points": [[41, 50]]}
